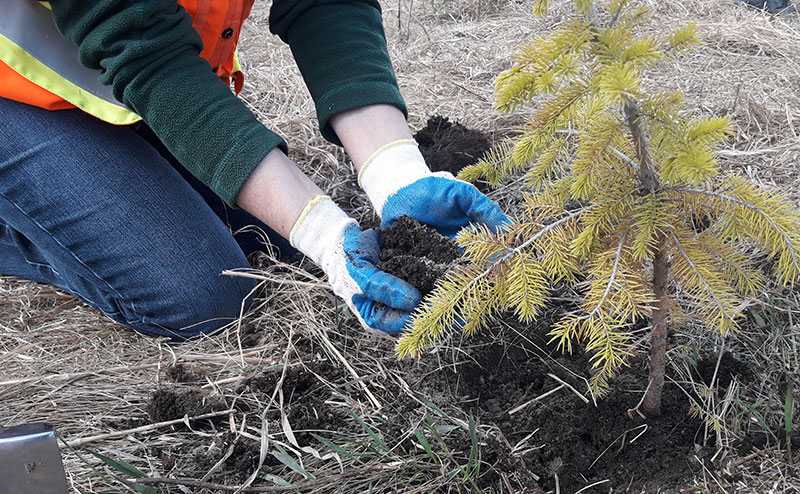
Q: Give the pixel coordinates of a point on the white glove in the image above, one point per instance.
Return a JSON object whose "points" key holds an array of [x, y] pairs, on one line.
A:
{"points": [[398, 182], [334, 241]]}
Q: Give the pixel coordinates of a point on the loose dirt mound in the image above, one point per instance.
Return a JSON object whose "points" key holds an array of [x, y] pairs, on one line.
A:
{"points": [[170, 405], [538, 438], [728, 369], [450, 146]]}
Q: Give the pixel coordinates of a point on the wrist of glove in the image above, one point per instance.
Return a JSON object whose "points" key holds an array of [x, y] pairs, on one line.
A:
{"points": [[398, 182], [348, 256]]}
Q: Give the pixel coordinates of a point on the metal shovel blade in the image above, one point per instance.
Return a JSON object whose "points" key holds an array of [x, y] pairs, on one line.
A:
{"points": [[30, 462]]}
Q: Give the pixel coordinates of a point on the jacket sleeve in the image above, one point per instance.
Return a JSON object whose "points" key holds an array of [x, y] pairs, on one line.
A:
{"points": [[148, 52], [340, 48]]}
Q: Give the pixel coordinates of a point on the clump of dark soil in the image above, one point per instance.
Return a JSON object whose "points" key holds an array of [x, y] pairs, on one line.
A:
{"points": [[305, 397], [239, 464], [244, 458], [250, 335], [170, 405], [416, 253], [450, 146]]}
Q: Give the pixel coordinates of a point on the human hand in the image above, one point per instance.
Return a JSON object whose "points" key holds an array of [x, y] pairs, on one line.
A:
{"points": [[398, 182], [348, 256]]}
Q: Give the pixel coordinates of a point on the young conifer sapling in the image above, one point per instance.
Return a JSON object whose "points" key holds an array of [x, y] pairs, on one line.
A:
{"points": [[626, 201]]}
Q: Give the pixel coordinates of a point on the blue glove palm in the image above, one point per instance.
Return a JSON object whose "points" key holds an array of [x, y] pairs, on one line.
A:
{"points": [[348, 256], [385, 301], [398, 182], [444, 203]]}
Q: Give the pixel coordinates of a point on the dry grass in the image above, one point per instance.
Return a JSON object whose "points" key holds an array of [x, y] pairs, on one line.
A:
{"points": [[64, 363]]}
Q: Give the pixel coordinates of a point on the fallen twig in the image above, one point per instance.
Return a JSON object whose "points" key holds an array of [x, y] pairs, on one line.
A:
{"points": [[299, 487], [280, 281], [75, 375], [249, 358], [517, 409], [578, 393], [216, 487], [110, 435]]}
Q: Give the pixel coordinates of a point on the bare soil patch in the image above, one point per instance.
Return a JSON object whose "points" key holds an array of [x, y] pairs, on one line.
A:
{"points": [[561, 440], [450, 146]]}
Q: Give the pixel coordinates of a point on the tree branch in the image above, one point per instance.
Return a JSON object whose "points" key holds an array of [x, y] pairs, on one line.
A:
{"points": [[699, 275], [546, 229], [515, 251], [752, 207], [613, 277], [111, 435]]}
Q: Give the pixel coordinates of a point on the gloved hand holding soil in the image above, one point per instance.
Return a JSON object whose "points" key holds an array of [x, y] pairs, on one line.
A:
{"points": [[417, 253]]}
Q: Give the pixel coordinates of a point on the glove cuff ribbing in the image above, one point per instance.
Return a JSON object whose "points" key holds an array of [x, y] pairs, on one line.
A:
{"points": [[319, 228], [391, 168]]}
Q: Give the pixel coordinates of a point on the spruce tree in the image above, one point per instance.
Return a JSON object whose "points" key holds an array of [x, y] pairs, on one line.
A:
{"points": [[625, 200]]}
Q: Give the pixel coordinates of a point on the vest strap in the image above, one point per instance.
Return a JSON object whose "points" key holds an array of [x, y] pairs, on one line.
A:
{"points": [[32, 46]]}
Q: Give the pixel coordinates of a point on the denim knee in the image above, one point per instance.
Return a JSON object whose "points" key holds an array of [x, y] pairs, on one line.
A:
{"points": [[94, 209], [190, 308]]}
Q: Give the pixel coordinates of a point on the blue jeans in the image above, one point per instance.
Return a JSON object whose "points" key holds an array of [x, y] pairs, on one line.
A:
{"points": [[105, 213]]}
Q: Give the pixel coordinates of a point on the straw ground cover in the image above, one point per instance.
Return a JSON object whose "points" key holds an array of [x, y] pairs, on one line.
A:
{"points": [[331, 407]]}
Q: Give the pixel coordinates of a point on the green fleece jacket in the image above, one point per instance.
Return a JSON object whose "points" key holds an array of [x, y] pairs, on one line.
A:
{"points": [[148, 52]]}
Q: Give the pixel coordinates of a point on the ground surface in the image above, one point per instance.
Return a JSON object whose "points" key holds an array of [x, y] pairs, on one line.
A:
{"points": [[331, 407]]}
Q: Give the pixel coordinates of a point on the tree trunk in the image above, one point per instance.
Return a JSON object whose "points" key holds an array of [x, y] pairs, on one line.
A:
{"points": [[658, 336], [648, 183]]}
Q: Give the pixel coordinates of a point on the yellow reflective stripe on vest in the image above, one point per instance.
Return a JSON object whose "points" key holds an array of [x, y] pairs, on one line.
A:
{"points": [[32, 46], [237, 65]]}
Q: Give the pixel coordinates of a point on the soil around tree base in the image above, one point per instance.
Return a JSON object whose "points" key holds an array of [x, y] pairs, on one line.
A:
{"points": [[562, 437]]}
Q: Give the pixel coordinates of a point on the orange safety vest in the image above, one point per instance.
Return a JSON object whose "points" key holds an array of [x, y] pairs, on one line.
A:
{"points": [[26, 74]]}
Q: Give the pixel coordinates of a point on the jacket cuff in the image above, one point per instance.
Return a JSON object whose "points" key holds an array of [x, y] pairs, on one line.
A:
{"points": [[355, 95], [230, 175]]}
